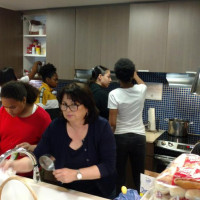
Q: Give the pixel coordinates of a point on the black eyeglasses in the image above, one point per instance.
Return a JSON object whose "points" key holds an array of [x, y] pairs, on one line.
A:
{"points": [[73, 107]]}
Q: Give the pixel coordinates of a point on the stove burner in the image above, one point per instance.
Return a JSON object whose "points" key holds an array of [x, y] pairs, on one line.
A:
{"points": [[189, 140], [179, 144]]}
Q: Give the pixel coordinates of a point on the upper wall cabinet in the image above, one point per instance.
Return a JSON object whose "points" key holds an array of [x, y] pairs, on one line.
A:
{"points": [[183, 46], [101, 35], [11, 40], [88, 37], [61, 41], [148, 36], [114, 43]]}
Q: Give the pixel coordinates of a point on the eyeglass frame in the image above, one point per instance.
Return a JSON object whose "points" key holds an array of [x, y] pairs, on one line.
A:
{"points": [[66, 106]]}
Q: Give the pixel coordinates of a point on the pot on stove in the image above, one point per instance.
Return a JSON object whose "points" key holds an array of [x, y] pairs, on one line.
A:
{"points": [[178, 127]]}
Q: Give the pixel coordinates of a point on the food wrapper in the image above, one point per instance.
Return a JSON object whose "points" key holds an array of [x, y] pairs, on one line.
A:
{"points": [[146, 183], [179, 181]]}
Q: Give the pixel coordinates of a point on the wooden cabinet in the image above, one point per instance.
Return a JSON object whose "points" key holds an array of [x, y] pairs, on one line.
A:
{"points": [[164, 36], [11, 40], [157, 36], [101, 35], [61, 41], [88, 37], [183, 44], [149, 160], [114, 43], [148, 36]]}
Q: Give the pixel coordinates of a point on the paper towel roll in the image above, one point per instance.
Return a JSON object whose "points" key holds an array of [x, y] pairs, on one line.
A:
{"points": [[152, 119]]}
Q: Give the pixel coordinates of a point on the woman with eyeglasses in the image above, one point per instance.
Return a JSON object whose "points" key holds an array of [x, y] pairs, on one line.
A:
{"points": [[81, 142], [100, 80]]}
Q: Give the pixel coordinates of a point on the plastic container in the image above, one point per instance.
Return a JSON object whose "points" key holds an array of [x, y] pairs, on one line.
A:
{"points": [[38, 50], [33, 49]]}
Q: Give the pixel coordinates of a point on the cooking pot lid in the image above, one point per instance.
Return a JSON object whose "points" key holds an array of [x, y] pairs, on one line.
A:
{"points": [[178, 120]]}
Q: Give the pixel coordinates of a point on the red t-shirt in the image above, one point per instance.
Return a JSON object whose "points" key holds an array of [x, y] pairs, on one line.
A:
{"points": [[15, 130]]}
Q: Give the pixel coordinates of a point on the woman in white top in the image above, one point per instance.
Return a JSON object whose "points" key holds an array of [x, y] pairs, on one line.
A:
{"points": [[125, 117]]}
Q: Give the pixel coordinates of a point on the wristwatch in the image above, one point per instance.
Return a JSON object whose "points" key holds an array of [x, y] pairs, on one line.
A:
{"points": [[79, 175]]}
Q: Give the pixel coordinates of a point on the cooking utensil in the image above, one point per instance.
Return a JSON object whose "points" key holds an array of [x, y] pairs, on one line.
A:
{"points": [[178, 127], [47, 162]]}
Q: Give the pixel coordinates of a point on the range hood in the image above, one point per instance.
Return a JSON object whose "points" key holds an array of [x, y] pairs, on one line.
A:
{"points": [[83, 75], [196, 84], [184, 80]]}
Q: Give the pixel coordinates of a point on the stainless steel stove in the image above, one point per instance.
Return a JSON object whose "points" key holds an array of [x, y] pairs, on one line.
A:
{"points": [[180, 144], [167, 148]]}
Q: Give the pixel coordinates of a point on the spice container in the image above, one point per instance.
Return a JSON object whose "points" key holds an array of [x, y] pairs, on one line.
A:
{"points": [[38, 52], [29, 50]]}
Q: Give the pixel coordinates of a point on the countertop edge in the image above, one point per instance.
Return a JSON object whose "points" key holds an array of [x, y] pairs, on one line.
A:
{"points": [[152, 136]]}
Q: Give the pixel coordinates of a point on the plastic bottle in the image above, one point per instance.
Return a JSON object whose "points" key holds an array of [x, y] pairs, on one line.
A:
{"points": [[38, 51], [33, 49]]}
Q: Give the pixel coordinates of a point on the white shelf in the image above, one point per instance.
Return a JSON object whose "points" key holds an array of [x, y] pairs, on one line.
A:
{"points": [[34, 55], [33, 36], [28, 39]]}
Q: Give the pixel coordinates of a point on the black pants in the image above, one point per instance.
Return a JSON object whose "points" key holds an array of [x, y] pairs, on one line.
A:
{"points": [[133, 146]]}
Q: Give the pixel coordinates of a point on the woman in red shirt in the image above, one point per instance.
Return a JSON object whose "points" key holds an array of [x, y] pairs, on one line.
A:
{"points": [[22, 122]]}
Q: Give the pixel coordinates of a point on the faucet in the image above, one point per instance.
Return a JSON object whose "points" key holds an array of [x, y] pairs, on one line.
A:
{"points": [[36, 173]]}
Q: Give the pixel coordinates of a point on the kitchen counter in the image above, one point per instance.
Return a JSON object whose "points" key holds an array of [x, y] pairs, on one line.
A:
{"points": [[152, 136], [43, 191]]}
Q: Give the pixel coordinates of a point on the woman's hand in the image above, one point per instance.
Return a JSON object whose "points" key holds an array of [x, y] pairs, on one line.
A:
{"points": [[26, 146], [22, 165], [65, 175], [6, 164]]}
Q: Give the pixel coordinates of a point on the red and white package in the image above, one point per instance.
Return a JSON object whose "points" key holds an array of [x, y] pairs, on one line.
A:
{"points": [[181, 180]]}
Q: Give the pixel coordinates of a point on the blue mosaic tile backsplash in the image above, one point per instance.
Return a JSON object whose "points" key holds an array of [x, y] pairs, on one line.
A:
{"points": [[175, 103]]}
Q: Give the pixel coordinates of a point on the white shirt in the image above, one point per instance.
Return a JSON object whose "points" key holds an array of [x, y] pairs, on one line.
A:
{"points": [[130, 103], [24, 79]]}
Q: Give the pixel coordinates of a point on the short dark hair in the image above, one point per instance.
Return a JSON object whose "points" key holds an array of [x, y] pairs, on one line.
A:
{"points": [[47, 71], [80, 92], [96, 71], [124, 70], [6, 75], [18, 90]]}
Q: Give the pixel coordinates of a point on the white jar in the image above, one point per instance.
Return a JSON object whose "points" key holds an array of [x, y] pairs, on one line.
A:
{"points": [[33, 50]]}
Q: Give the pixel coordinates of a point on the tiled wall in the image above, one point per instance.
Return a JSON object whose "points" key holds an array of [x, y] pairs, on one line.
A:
{"points": [[175, 103]]}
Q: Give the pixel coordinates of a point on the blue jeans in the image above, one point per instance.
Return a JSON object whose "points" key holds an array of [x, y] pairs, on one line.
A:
{"points": [[133, 146]]}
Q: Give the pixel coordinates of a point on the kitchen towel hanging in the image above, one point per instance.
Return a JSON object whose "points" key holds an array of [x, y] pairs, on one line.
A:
{"points": [[152, 119]]}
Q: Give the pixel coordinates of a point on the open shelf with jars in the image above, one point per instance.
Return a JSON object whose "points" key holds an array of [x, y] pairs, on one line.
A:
{"points": [[34, 40]]}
